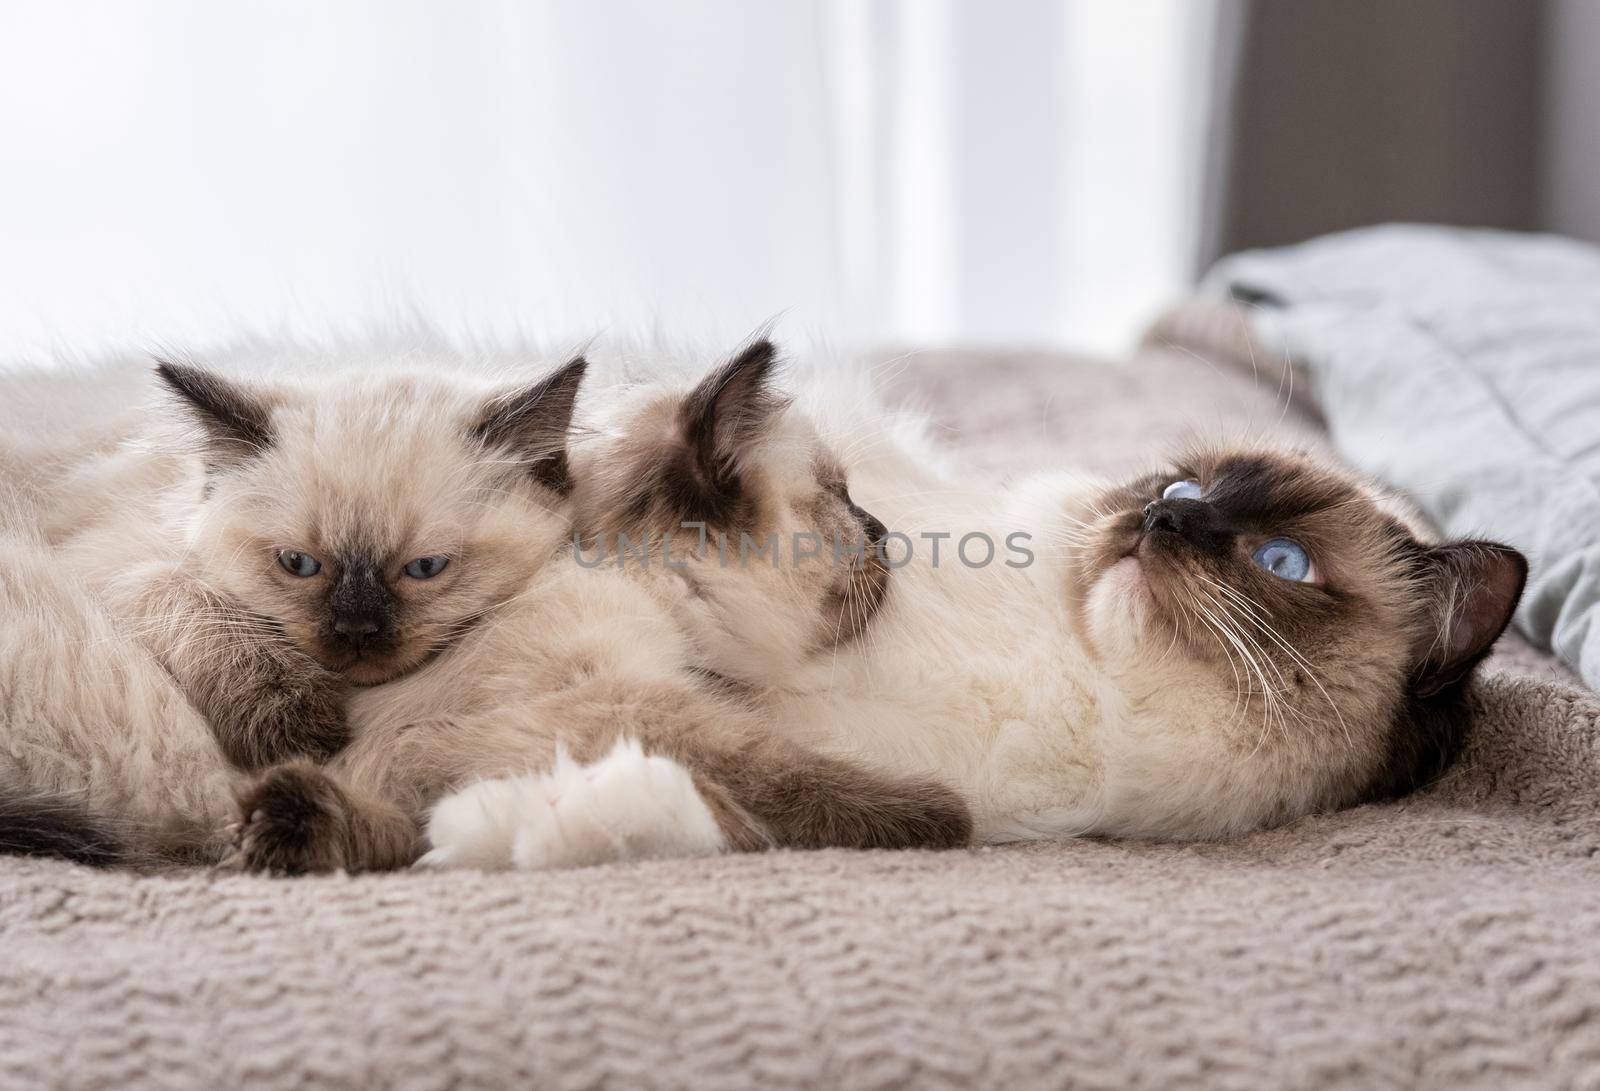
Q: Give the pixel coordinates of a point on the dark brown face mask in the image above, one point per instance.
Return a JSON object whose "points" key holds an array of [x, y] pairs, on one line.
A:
{"points": [[1274, 558]]}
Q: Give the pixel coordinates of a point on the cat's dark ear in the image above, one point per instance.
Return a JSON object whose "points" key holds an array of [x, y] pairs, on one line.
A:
{"points": [[533, 423], [1474, 588], [236, 420], [730, 410]]}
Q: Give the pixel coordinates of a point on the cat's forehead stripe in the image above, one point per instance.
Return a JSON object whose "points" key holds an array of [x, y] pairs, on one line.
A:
{"points": [[1277, 487]]}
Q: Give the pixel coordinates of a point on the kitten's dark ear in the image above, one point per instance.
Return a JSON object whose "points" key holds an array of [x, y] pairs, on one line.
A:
{"points": [[533, 423], [1474, 587], [237, 421], [730, 410]]}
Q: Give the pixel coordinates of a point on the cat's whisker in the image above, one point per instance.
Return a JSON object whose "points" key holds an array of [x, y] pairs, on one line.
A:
{"points": [[1241, 705], [1274, 707], [1259, 620], [1231, 619]]}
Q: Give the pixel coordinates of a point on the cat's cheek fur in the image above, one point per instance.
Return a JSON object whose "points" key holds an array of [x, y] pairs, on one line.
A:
{"points": [[629, 805]]}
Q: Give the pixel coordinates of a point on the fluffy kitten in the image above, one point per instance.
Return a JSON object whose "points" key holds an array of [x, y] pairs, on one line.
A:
{"points": [[579, 680], [752, 544], [756, 543], [253, 583], [234, 554]]}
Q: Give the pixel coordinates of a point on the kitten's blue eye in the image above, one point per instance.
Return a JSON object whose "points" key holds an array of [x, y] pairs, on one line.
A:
{"points": [[1283, 559], [425, 568], [299, 564], [1181, 490]]}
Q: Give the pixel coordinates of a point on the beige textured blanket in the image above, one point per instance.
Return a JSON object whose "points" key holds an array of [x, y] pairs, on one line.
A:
{"points": [[1446, 941]]}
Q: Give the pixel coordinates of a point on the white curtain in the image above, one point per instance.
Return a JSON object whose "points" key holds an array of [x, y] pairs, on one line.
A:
{"points": [[907, 172]]}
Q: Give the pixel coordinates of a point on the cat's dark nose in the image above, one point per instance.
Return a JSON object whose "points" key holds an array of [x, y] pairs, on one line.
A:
{"points": [[871, 527], [1195, 521], [357, 629], [360, 607]]}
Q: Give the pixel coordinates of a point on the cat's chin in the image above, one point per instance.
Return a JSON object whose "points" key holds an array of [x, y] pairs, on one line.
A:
{"points": [[1126, 575], [376, 670], [1135, 609], [366, 674], [1116, 612]]}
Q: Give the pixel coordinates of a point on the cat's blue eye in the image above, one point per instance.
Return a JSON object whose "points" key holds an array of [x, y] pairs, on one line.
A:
{"points": [[425, 568], [1181, 490], [1284, 559], [299, 564]]}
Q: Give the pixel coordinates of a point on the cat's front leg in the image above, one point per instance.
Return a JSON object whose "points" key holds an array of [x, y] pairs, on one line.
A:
{"points": [[266, 700], [689, 799], [628, 805], [299, 819], [271, 702]]}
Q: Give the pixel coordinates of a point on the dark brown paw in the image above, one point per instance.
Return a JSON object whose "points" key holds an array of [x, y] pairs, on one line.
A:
{"points": [[292, 822], [289, 706]]}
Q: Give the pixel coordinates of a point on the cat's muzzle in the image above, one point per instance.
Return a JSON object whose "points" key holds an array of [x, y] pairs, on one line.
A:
{"points": [[1194, 523]]}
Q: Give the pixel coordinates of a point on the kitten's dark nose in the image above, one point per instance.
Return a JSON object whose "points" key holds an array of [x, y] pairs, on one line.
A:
{"points": [[360, 608], [1195, 521], [358, 628], [874, 530]]}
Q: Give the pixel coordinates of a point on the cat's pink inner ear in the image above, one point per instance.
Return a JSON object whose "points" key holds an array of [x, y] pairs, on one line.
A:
{"points": [[1478, 585]]}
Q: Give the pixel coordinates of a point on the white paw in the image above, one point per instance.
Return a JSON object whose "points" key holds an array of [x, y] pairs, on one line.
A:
{"points": [[475, 827], [627, 806]]}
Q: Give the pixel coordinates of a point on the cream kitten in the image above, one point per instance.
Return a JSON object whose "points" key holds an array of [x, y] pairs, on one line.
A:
{"points": [[754, 538], [255, 583], [753, 544], [245, 565]]}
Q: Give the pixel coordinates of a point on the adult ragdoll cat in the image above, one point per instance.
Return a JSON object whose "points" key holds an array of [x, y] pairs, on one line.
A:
{"points": [[1246, 637], [578, 675], [1243, 638]]}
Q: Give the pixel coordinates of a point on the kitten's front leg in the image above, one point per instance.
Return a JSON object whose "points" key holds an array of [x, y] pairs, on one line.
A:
{"points": [[298, 819], [693, 801], [266, 700], [628, 805]]}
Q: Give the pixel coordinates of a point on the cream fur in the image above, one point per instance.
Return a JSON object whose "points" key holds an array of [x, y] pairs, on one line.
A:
{"points": [[577, 662], [1051, 695], [753, 622], [86, 713]]}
